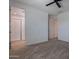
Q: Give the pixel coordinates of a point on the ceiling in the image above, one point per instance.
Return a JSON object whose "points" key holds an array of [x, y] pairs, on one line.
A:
{"points": [[52, 9]]}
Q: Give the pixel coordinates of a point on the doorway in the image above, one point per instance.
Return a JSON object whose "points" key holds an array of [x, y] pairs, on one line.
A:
{"points": [[17, 27], [52, 27]]}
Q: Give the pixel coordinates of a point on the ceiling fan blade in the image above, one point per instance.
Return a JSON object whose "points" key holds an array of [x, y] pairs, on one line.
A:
{"points": [[59, 0], [58, 5], [50, 3]]}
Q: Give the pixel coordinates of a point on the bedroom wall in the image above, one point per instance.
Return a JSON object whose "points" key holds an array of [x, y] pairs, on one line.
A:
{"points": [[36, 23], [63, 30]]}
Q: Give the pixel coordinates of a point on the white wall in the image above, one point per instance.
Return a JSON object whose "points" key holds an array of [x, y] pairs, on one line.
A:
{"points": [[36, 23], [63, 31], [36, 26]]}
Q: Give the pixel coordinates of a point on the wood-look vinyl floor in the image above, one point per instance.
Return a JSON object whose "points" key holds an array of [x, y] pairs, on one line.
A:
{"points": [[53, 49]]}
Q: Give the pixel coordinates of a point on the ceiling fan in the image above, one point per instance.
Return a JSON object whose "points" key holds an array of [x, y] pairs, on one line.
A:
{"points": [[55, 1]]}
